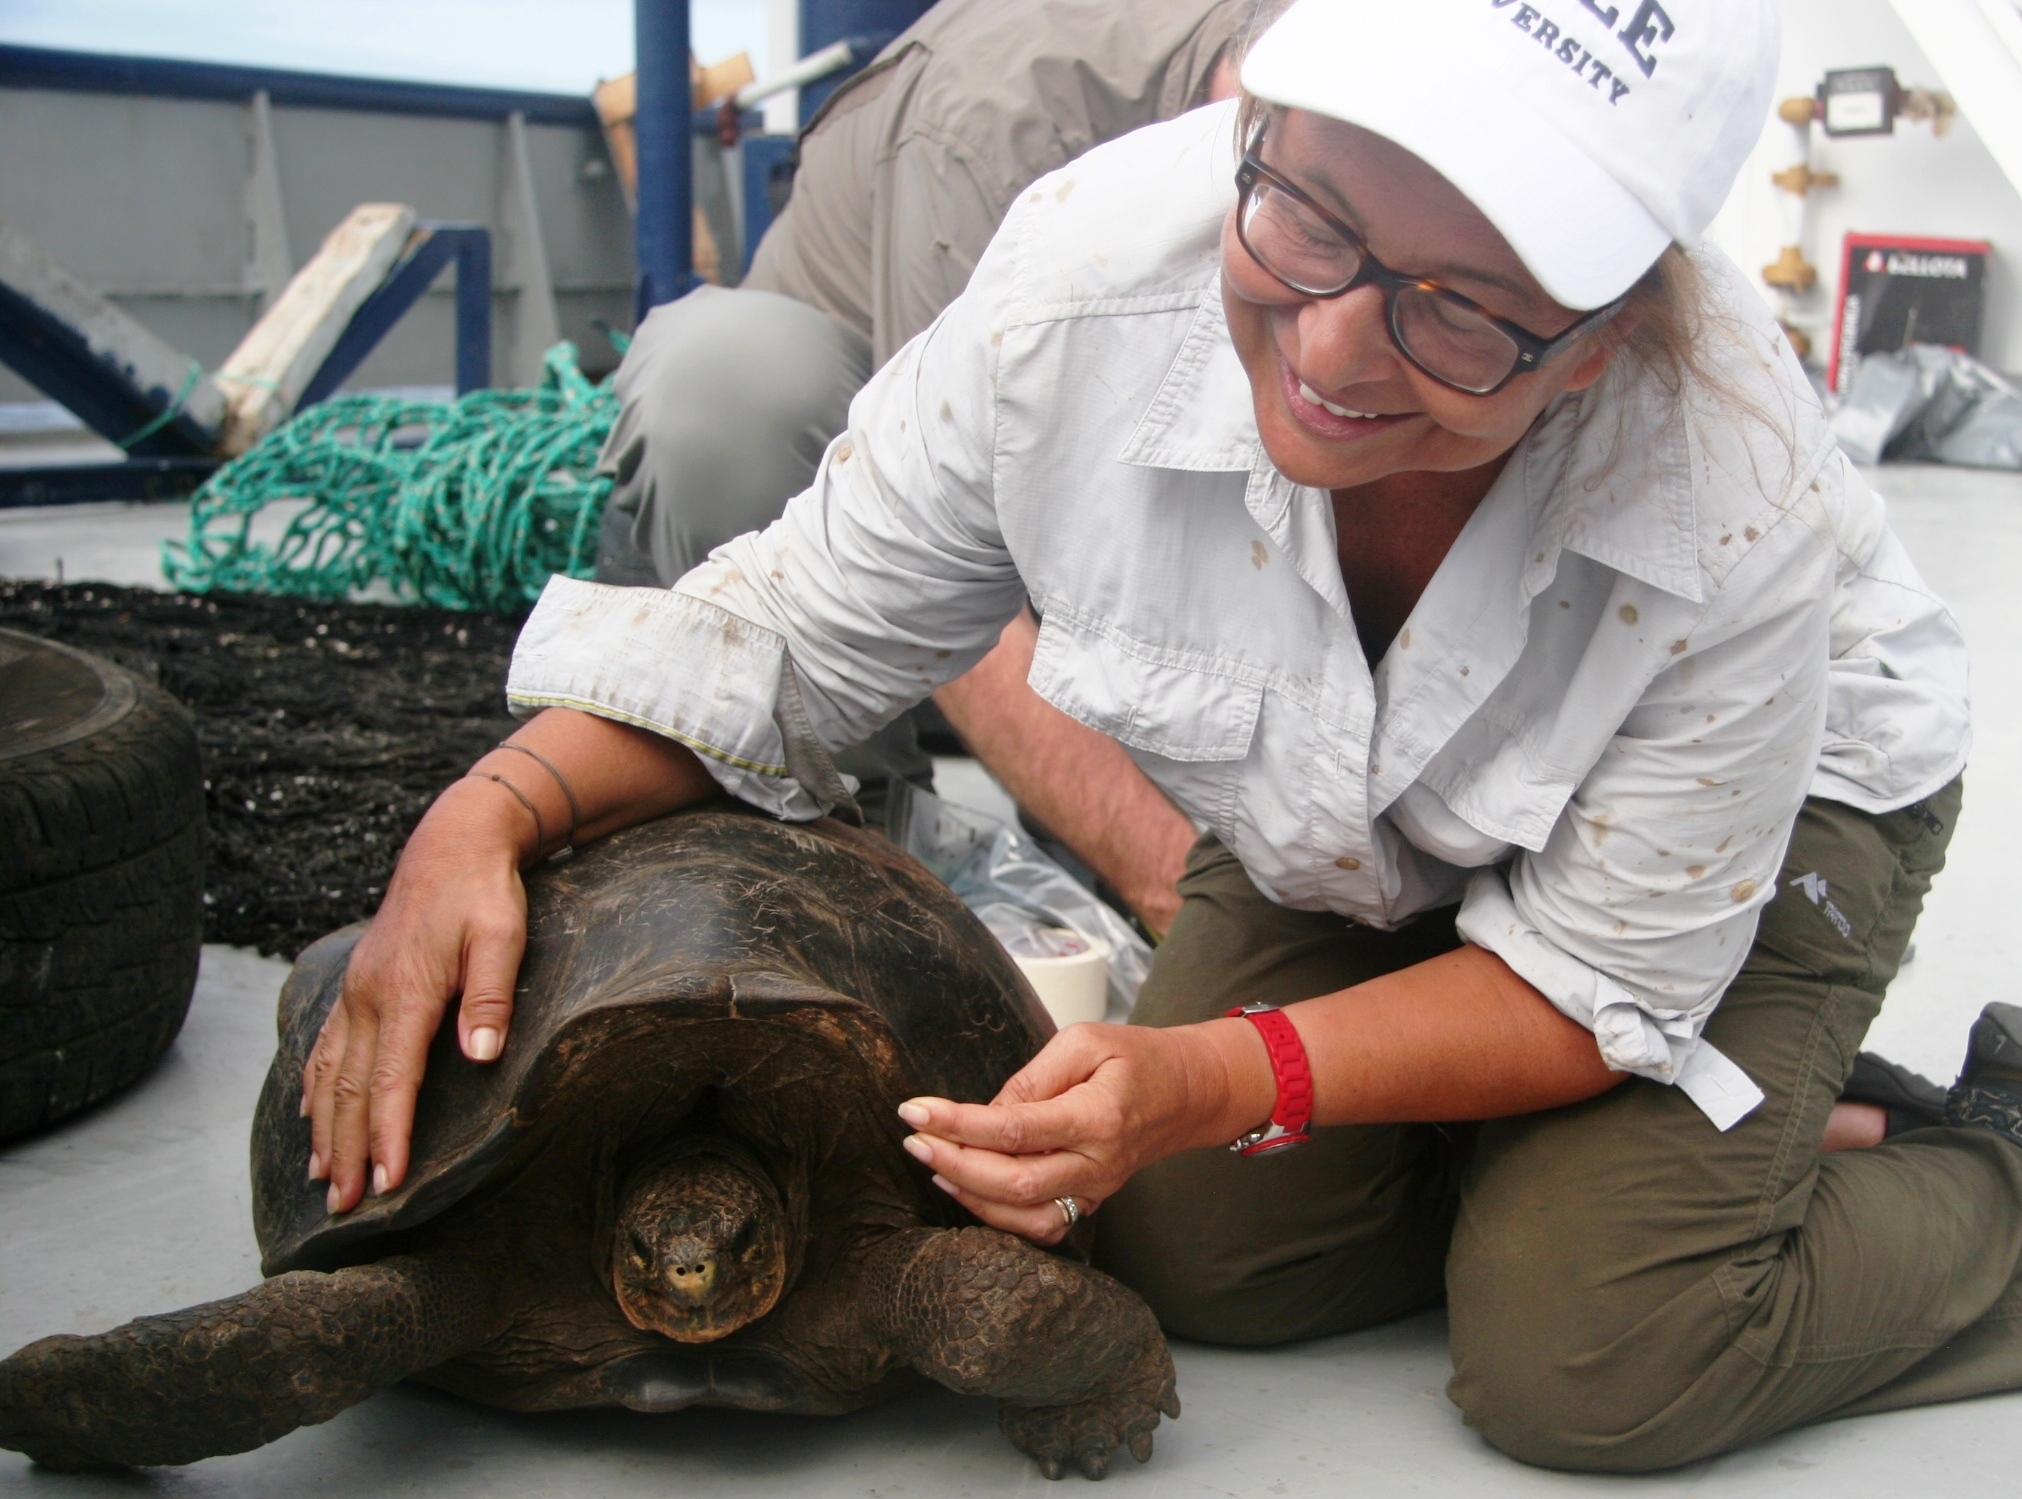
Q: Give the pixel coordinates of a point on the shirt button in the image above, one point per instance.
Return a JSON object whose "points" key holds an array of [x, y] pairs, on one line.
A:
{"points": [[1347, 863]]}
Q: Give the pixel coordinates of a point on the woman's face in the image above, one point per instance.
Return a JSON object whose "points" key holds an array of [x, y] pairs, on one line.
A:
{"points": [[1296, 347]]}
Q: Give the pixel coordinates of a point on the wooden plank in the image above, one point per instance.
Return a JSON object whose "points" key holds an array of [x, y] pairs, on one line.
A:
{"points": [[720, 80], [266, 373], [617, 103]]}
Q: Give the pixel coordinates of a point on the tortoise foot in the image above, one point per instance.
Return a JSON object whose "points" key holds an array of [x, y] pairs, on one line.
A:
{"points": [[32, 1423], [1086, 1435], [232, 1375]]}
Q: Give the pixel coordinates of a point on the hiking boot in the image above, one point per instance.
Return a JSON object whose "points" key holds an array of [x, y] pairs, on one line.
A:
{"points": [[1988, 1094], [1911, 1100]]}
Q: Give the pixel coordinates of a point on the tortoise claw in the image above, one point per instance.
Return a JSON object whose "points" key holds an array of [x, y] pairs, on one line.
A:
{"points": [[1086, 1435]]}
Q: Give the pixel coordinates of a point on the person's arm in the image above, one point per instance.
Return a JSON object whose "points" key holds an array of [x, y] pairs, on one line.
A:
{"points": [[1082, 784], [1596, 956], [1458, 1037], [454, 922]]}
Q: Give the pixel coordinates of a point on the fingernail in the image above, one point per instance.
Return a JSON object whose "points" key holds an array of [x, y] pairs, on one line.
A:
{"points": [[917, 1148], [378, 1181], [315, 1167], [914, 1113], [484, 1044], [944, 1184], [304, 1109], [330, 1201]]}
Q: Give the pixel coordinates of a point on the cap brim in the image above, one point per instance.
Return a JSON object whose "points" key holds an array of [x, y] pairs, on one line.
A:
{"points": [[1584, 236]]}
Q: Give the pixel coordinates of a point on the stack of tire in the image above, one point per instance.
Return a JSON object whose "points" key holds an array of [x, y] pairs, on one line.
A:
{"points": [[101, 878]]}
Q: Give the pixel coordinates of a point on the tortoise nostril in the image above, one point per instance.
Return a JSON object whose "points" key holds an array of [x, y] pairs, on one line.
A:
{"points": [[692, 1279]]}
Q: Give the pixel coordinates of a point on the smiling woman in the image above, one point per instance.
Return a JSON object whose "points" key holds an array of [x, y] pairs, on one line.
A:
{"points": [[1451, 534]]}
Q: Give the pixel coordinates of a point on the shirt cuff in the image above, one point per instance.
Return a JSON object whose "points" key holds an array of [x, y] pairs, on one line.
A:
{"points": [[686, 669], [1664, 1047]]}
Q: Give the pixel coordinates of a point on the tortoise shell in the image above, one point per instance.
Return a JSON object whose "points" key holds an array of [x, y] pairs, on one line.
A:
{"points": [[664, 965]]}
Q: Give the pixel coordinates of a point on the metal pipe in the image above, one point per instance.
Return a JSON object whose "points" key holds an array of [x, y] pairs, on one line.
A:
{"points": [[665, 225], [816, 65]]}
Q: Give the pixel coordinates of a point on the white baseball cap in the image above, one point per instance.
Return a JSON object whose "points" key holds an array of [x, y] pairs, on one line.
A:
{"points": [[1592, 133]]}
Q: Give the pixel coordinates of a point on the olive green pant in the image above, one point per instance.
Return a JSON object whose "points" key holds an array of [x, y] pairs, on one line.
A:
{"points": [[1628, 1288]]}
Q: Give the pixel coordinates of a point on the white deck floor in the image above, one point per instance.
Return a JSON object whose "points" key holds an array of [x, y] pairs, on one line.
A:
{"points": [[142, 1205]]}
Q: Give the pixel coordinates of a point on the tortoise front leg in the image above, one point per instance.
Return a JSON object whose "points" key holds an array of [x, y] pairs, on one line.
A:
{"points": [[1075, 1359], [235, 1374]]}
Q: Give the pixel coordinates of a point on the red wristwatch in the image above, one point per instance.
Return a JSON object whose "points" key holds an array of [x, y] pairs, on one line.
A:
{"points": [[1294, 1075]]}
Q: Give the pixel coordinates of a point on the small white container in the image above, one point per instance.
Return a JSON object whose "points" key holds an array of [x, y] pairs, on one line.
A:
{"points": [[1073, 988]]}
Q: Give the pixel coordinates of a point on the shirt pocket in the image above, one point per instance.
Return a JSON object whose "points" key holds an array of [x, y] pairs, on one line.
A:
{"points": [[1167, 703]]}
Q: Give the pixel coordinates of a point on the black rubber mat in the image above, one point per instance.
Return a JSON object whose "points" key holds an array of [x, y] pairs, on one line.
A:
{"points": [[326, 731]]}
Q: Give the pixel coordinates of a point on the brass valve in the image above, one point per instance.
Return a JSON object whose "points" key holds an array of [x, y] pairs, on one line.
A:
{"points": [[1791, 271]]}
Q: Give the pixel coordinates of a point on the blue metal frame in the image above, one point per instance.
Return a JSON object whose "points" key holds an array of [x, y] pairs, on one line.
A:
{"points": [[92, 483], [664, 253], [766, 158], [433, 248], [874, 22], [54, 357], [104, 73]]}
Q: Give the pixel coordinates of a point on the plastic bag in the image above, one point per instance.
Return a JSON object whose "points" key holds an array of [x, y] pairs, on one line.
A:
{"points": [[1023, 896], [1024, 935], [1931, 404]]}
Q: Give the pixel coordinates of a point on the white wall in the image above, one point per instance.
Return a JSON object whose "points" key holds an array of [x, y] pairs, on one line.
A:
{"points": [[1909, 183]]}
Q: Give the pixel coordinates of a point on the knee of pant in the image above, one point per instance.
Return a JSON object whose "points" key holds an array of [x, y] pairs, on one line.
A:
{"points": [[1573, 1403], [1529, 1413]]}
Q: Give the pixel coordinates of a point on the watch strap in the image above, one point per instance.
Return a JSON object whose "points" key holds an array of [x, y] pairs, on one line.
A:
{"points": [[1293, 1112]]}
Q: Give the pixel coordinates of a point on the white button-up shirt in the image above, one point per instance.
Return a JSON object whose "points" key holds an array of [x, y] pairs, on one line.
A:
{"points": [[1671, 619]]}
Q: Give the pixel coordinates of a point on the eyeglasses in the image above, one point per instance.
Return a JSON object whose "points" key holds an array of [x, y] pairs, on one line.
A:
{"points": [[1445, 334]]}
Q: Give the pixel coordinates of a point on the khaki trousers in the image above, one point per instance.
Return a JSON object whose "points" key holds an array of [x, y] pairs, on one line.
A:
{"points": [[727, 400], [1628, 1288]]}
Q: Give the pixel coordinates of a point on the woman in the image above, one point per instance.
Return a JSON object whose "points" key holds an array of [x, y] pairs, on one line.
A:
{"points": [[1475, 565]]}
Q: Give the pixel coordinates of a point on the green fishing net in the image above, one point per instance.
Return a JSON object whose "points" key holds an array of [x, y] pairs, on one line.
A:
{"points": [[466, 504]]}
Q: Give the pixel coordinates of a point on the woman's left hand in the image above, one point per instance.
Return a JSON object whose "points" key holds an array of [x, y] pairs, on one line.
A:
{"points": [[1098, 1103]]}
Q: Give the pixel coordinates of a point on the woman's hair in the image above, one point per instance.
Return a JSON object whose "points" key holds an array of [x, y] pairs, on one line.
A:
{"points": [[1662, 324]]}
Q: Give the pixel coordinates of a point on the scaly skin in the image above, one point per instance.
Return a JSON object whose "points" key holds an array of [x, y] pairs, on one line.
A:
{"points": [[1076, 1361], [232, 1375]]}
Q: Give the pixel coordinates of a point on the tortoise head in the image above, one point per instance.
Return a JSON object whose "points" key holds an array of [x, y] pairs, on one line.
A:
{"points": [[700, 1244]]}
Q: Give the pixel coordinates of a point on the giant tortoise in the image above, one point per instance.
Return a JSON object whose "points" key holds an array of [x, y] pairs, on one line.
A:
{"points": [[682, 1185]]}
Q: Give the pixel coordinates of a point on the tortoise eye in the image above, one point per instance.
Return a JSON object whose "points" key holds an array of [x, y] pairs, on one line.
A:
{"points": [[742, 1241]]}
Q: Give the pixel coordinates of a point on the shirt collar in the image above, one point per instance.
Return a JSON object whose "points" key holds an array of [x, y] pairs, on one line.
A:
{"points": [[1607, 471], [1202, 420], [1609, 475]]}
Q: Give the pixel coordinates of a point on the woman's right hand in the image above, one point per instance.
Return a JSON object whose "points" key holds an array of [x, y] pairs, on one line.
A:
{"points": [[454, 922]]}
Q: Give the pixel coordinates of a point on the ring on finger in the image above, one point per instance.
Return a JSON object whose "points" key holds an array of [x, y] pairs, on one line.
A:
{"points": [[1070, 1211]]}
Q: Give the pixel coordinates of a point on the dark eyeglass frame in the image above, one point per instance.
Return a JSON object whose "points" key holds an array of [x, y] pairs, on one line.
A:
{"points": [[1532, 351]]}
